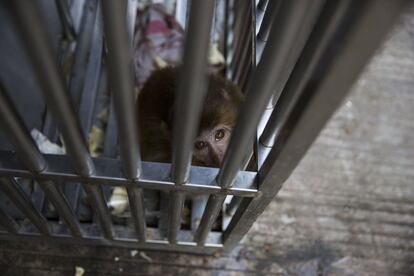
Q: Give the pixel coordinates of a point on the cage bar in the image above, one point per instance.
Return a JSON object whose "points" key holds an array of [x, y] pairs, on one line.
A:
{"points": [[33, 159], [18, 135], [15, 193], [120, 69], [311, 56], [8, 223], [337, 69], [242, 30], [263, 28], [109, 172], [303, 71], [66, 20], [189, 99], [50, 79], [260, 12], [265, 79]]}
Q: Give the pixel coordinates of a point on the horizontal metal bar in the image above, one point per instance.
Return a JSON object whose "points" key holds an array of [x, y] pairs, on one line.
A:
{"points": [[338, 67], [15, 193], [8, 223], [125, 238], [109, 172]]}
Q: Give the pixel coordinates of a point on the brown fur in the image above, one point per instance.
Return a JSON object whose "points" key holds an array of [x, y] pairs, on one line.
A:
{"points": [[155, 108]]}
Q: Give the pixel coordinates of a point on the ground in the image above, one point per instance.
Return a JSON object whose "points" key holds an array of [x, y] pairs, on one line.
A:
{"points": [[346, 210]]}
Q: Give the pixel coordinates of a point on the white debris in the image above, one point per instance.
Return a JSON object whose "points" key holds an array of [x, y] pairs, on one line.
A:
{"points": [[79, 271], [134, 253], [145, 256], [43, 143], [116, 259], [118, 201], [287, 220]]}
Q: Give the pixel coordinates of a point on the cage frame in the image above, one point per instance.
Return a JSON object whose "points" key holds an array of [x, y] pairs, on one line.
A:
{"points": [[286, 78]]}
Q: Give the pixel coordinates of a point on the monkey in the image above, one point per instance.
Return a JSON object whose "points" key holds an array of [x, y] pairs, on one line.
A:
{"points": [[155, 108], [155, 112]]}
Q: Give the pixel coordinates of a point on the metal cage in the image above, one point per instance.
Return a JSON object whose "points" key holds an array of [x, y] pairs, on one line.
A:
{"points": [[294, 60]]}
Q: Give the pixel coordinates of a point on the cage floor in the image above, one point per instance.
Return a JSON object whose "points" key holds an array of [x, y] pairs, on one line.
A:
{"points": [[347, 209]]}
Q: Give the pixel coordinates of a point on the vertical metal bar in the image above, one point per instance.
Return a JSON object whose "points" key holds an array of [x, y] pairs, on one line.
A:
{"points": [[338, 67], [33, 159], [190, 94], [241, 35], [51, 81], [66, 19], [264, 79], [131, 16], [247, 56], [198, 204], [263, 31], [228, 35], [83, 57], [213, 207], [233, 204], [41, 52], [18, 136], [260, 12], [243, 58], [13, 191], [120, 68], [8, 223], [300, 76], [181, 12], [268, 18], [92, 70]]}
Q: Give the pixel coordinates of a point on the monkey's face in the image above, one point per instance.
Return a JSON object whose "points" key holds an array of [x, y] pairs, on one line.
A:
{"points": [[211, 145]]}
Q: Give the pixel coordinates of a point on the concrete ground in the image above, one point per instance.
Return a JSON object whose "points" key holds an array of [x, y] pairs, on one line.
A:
{"points": [[348, 209]]}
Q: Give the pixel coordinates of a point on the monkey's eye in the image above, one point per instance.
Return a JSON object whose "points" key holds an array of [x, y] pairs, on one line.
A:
{"points": [[219, 134], [200, 145]]}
